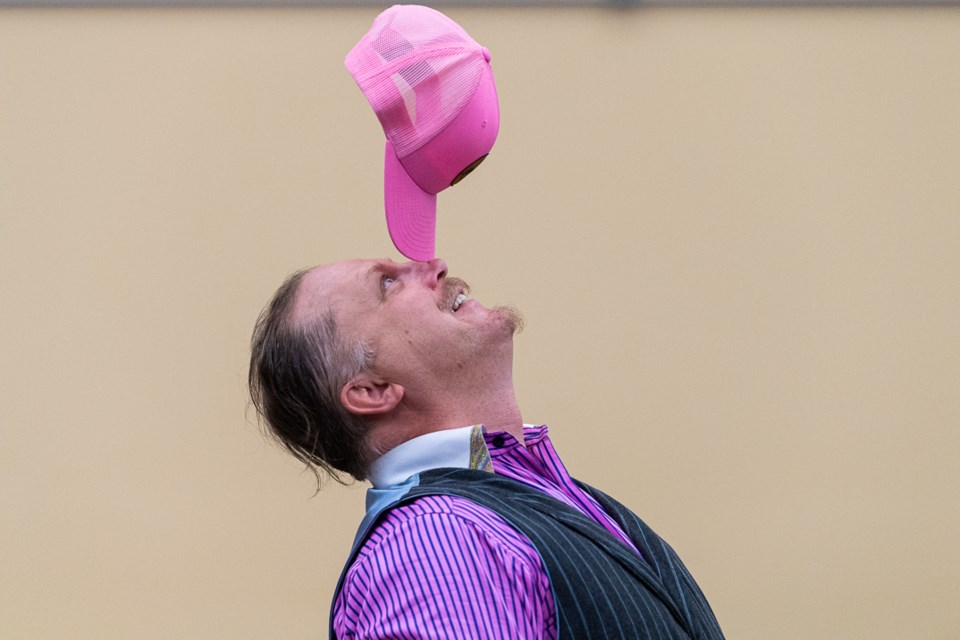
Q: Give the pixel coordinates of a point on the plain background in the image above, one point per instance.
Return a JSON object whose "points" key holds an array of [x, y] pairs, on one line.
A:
{"points": [[734, 234]]}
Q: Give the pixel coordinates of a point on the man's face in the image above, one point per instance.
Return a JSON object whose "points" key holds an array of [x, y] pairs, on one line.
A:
{"points": [[417, 320]]}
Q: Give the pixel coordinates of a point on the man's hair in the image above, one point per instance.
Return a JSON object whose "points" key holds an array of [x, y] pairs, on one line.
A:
{"points": [[297, 369]]}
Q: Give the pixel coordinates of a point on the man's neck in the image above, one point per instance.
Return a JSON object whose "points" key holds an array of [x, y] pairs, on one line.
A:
{"points": [[496, 409], [501, 413]]}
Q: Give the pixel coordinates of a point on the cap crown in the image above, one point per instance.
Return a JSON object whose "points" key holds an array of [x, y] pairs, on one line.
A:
{"points": [[418, 69]]}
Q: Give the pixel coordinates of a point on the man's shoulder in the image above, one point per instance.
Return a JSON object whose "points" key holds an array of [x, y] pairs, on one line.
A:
{"points": [[445, 558], [433, 523], [447, 509]]}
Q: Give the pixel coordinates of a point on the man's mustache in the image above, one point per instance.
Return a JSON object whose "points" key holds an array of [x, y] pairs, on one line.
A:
{"points": [[451, 289]]}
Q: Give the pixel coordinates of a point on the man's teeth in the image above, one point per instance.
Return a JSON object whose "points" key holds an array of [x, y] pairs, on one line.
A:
{"points": [[459, 301]]}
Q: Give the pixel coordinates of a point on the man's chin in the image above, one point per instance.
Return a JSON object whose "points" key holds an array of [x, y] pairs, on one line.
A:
{"points": [[512, 318]]}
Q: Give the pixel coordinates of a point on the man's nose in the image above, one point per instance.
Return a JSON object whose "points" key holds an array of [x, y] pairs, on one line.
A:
{"points": [[432, 272]]}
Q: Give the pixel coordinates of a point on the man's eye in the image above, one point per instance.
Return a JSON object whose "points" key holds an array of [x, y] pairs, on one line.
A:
{"points": [[386, 281]]}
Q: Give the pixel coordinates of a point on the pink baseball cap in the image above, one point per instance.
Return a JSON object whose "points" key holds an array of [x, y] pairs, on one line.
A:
{"points": [[432, 89]]}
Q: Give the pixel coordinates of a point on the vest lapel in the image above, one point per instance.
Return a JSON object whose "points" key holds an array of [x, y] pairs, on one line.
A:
{"points": [[673, 575], [641, 568]]}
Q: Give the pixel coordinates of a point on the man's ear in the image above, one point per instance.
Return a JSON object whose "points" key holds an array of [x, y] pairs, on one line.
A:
{"points": [[367, 395]]}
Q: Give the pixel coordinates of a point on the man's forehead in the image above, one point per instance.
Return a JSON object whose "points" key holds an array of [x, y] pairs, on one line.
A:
{"points": [[346, 273], [327, 284]]}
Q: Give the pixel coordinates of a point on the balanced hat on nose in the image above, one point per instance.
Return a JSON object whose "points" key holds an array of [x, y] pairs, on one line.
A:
{"points": [[432, 89]]}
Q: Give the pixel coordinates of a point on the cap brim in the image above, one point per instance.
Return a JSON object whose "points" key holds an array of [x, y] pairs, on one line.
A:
{"points": [[411, 211]]}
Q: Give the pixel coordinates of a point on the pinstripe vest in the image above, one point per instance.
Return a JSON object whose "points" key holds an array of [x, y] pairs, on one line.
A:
{"points": [[601, 588]]}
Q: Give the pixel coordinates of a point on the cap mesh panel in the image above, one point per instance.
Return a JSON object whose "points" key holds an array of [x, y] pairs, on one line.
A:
{"points": [[417, 69]]}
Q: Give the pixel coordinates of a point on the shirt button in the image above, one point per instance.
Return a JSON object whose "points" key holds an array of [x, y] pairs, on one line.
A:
{"points": [[499, 441]]}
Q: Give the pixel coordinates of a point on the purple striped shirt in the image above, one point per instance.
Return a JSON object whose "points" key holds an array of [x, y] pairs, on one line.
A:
{"points": [[445, 567]]}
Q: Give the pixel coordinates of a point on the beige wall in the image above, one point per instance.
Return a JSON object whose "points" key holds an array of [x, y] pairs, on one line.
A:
{"points": [[734, 232]]}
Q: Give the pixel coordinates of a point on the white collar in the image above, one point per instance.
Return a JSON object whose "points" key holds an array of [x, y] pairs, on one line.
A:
{"points": [[448, 448]]}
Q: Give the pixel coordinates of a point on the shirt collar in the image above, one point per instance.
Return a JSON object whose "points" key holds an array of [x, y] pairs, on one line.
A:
{"points": [[459, 448], [448, 448]]}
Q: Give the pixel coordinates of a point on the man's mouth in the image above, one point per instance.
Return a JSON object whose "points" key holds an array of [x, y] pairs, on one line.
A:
{"points": [[455, 292]]}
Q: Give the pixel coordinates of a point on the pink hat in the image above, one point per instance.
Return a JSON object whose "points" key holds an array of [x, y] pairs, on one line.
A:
{"points": [[432, 89]]}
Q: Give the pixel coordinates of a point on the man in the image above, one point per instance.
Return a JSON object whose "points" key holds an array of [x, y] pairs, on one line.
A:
{"points": [[474, 528]]}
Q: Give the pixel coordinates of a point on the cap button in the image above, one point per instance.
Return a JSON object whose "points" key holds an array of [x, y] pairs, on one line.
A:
{"points": [[486, 53]]}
